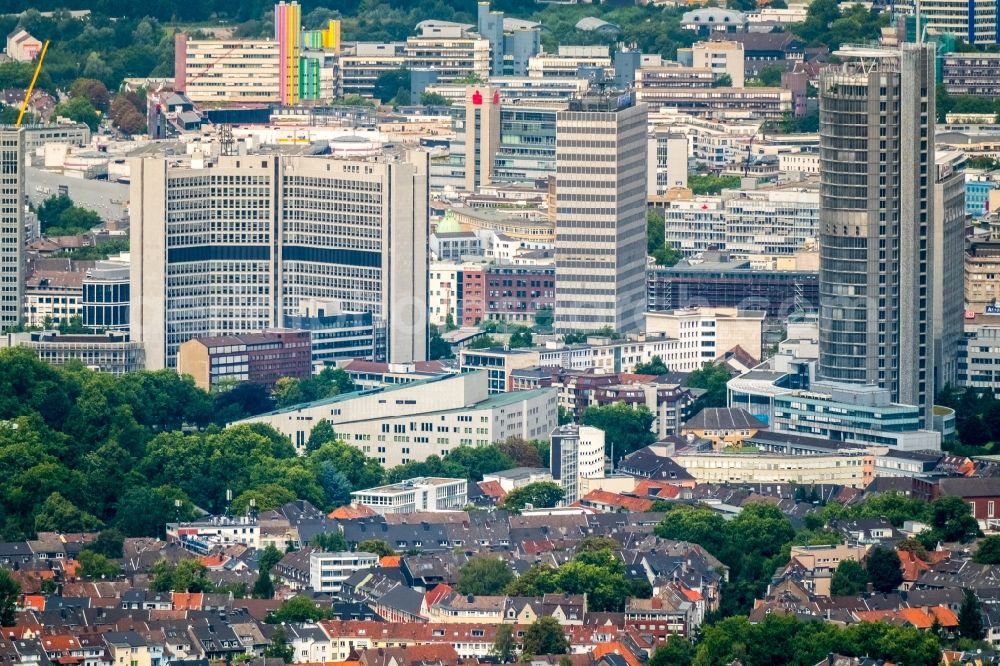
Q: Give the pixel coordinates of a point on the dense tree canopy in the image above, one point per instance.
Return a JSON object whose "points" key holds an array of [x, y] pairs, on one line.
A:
{"points": [[626, 429], [484, 575]]}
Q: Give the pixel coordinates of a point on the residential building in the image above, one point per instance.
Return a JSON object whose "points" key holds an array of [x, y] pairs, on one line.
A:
{"points": [[667, 161], [977, 366], [707, 333], [257, 358], [328, 571], [982, 267], [576, 452], [22, 47], [877, 229], [409, 422], [973, 73], [417, 494], [821, 561], [241, 244], [982, 494], [848, 412], [975, 21], [110, 352], [722, 59], [948, 264], [203, 535], [601, 214], [516, 294], [12, 272], [53, 294]]}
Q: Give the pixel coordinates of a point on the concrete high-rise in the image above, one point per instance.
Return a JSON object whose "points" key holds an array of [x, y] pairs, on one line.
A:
{"points": [[11, 226], [482, 135], [876, 222], [949, 264], [240, 244], [601, 214]]}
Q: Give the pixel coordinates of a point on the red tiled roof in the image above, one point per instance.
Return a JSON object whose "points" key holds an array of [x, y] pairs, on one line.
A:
{"points": [[616, 647], [350, 512], [659, 489], [188, 600], [435, 595], [604, 497], [390, 561], [493, 489]]}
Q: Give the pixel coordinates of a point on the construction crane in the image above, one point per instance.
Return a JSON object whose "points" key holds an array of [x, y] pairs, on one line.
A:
{"points": [[31, 86]]}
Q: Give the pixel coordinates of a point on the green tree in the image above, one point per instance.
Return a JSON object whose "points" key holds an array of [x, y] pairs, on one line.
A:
{"points": [[93, 91], [185, 576], [656, 366], [626, 429], [545, 636], [58, 514], [988, 551], [331, 542], [297, 609], [694, 524], [484, 575], [434, 99], [701, 184], [393, 85], [263, 587], [712, 378], [538, 580], [768, 77], [722, 81], [540, 495], [268, 558], [264, 498], [677, 651], [109, 543], [884, 569], [849, 579], [544, 319], [80, 110], [504, 647], [952, 520], [377, 546], [94, 566], [355, 100], [10, 590], [970, 617], [279, 647], [521, 337]]}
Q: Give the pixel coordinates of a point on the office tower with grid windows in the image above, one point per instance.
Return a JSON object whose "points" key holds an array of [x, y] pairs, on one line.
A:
{"points": [[11, 226], [247, 243], [601, 214], [876, 222]]}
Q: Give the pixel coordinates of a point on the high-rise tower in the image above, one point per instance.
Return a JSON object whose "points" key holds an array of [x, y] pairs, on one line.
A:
{"points": [[11, 227], [876, 221], [601, 214]]}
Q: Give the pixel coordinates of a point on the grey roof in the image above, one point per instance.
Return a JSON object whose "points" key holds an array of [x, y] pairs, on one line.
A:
{"points": [[975, 487], [403, 598], [719, 418]]}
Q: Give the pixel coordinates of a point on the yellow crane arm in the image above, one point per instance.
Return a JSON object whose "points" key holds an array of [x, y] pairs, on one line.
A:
{"points": [[31, 86]]}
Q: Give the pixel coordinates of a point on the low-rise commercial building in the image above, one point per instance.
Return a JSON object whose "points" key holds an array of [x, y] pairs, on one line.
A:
{"points": [[760, 103], [858, 413], [110, 352], [974, 73], [409, 422], [258, 358], [417, 494], [849, 469]]}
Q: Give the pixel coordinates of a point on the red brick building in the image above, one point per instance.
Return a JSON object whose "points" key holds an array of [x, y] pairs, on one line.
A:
{"points": [[258, 358]]}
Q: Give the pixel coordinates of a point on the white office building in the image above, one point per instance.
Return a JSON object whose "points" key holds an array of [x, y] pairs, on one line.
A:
{"points": [[601, 214], [409, 422], [11, 227], [237, 245], [417, 494]]}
